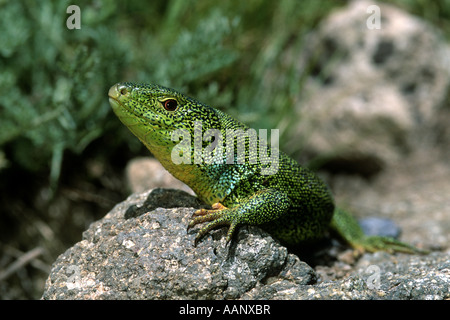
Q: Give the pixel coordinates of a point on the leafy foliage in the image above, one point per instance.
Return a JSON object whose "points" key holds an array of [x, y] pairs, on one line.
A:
{"points": [[53, 81]]}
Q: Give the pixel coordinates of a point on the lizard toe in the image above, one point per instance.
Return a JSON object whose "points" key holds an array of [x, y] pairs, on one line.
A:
{"points": [[210, 226]]}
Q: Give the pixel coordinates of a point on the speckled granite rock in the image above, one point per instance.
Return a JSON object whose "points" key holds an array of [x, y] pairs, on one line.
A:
{"points": [[377, 276], [373, 94], [149, 255]]}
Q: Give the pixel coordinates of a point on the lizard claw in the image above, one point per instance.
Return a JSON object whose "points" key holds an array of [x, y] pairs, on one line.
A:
{"points": [[216, 218], [214, 224]]}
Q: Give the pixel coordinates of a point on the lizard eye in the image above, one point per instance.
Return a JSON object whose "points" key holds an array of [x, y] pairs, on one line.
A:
{"points": [[170, 105]]}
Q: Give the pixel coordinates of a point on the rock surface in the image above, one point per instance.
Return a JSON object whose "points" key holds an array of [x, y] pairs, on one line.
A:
{"points": [[377, 276], [149, 255]]}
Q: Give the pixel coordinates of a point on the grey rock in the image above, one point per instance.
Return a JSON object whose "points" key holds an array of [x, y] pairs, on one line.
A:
{"points": [[149, 255], [373, 94], [378, 276], [407, 277]]}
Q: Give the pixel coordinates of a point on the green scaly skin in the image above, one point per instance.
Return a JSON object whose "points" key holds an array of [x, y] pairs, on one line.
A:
{"points": [[293, 204]]}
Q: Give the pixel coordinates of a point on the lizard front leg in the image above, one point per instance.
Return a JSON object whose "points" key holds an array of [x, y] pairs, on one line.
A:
{"points": [[262, 207]]}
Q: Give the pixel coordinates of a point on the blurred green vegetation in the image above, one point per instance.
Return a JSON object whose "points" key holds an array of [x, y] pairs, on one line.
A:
{"points": [[53, 80]]}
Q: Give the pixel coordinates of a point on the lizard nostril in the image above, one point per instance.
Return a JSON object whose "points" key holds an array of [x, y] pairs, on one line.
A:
{"points": [[123, 91], [118, 90]]}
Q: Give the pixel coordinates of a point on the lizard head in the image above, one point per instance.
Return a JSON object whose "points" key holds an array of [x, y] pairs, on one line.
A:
{"points": [[153, 112], [154, 105], [152, 109]]}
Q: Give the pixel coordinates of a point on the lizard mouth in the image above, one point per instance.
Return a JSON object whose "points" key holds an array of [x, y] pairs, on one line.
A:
{"points": [[113, 102]]}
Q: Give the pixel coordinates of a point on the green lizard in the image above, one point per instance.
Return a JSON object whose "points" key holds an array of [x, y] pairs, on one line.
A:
{"points": [[293, 204]]}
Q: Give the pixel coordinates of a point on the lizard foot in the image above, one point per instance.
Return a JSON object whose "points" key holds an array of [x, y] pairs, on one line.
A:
{"points": [[348, 228], [262, 207], [215, 207], [218, 216], [391, 245]]}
